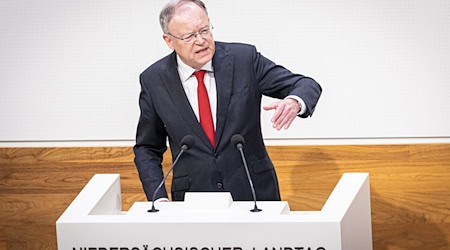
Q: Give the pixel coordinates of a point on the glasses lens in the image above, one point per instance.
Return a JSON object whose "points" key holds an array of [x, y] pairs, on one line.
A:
{"points": [[204, 32], [188, 38]]}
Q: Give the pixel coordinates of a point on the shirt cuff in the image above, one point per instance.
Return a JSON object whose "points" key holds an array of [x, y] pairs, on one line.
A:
{"points": [[161, 199], [302, 104]]}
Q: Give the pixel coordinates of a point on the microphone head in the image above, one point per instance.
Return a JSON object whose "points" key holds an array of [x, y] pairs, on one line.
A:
{"points": [[187, 141], [237, 139]]}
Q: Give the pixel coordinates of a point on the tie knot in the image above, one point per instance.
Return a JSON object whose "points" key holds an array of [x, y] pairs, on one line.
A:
{"points": [[199, 75]]}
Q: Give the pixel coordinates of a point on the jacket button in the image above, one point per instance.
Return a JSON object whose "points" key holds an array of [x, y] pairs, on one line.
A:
{"points": [[217, 155], [219, 185]]}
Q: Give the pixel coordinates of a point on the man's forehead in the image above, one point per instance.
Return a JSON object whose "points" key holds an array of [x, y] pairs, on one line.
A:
{"points": [[182, 7], [189, 18], [187, 9]]}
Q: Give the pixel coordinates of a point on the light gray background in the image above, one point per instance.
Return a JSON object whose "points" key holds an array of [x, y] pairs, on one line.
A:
{"points": [[69, 69]]}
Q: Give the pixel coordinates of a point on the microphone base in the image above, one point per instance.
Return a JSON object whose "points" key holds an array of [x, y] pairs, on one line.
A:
{"points": [[153, 210], [255, 210]]}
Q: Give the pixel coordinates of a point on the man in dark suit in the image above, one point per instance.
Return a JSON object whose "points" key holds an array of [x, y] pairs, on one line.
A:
{"points": [[235, 78]]}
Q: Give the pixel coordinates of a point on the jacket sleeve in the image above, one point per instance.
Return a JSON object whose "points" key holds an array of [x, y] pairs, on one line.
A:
{"points": [[150, 145], [278, 82]]}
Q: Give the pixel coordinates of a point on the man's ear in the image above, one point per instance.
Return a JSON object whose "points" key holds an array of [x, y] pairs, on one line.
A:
{"points": [[168, 41]]}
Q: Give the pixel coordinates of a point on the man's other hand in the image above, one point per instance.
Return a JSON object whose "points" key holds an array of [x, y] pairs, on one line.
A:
{"points": [[285, 112]]}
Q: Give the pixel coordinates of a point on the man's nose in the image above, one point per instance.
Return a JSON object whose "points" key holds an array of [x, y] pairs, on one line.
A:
{"points": [[199, 38]]}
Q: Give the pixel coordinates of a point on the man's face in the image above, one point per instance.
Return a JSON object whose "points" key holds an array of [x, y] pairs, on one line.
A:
{"points": [[189, 19]]}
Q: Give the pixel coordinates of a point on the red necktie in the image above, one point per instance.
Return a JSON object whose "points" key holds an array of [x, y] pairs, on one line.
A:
{"points": [[204, 108]]}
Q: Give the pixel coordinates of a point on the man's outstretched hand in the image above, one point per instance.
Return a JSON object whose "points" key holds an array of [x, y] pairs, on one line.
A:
{"points": [[285, 112]]}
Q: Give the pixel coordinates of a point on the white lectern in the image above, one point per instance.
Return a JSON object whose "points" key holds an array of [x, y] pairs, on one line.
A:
{"points": [[212, 221]]}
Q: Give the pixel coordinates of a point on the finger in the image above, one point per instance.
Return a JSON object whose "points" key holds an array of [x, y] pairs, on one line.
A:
{"points": [[289, 122], [278, 112], [270, 106], [282, 120], [286, 118], [294, 111], [276, 116]]}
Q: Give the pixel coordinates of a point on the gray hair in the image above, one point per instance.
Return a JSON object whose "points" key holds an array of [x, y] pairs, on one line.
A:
{"points": [[169, 9]]}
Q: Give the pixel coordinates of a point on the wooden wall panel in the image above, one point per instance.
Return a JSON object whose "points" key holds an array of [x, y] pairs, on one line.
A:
{"points": [[410, 187]]}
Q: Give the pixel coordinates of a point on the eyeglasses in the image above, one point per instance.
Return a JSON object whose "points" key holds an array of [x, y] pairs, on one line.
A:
{"points": [[187, 38]]}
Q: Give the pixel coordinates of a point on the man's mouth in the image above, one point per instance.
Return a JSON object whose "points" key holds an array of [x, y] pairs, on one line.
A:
{"points": [[201, 51]]}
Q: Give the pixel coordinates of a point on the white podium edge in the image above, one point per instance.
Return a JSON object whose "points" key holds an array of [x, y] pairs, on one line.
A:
{"points": [[348, 205]]}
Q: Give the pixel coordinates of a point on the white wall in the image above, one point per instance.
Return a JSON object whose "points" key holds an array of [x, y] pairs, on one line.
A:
{"points": [[69, 69]]}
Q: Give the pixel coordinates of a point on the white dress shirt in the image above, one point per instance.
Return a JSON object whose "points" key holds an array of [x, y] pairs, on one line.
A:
{"points": [[190, 86]]}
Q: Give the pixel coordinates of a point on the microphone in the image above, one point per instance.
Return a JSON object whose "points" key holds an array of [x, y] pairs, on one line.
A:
{"points": [[186, 143], [238, 141]]}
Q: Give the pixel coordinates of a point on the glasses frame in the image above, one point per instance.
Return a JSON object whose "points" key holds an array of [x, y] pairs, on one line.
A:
{"points": [[190, 37]]}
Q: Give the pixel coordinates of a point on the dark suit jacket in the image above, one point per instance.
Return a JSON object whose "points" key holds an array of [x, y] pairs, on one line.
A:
{"points": [[242, 76]]}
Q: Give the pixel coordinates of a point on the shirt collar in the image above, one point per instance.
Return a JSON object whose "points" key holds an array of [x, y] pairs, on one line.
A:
{"points": [[186, 71]]}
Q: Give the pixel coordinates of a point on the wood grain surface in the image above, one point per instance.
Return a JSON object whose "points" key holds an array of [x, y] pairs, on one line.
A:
{"points": [[410, 186]]}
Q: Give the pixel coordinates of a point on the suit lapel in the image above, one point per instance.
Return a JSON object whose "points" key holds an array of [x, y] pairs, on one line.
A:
{"points": [[223, 73], [176, 92]]}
